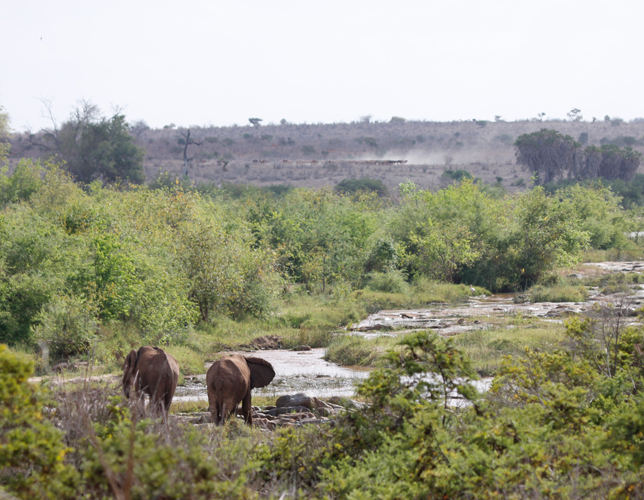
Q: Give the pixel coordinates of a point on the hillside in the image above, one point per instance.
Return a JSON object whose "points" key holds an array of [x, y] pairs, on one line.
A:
{"points": [[315, 155]]}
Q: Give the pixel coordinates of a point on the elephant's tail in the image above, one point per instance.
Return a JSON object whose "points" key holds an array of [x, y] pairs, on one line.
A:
{"points": [[223, 414]]}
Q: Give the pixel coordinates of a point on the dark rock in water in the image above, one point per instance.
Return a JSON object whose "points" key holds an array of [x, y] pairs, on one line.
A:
{"points": [[301, 348]]}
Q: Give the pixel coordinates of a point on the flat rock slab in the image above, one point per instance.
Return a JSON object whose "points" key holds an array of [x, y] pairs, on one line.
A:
{"points": [[619, 267]]}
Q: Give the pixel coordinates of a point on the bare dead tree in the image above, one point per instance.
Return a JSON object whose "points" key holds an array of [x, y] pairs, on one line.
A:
{"points": [[188, 141], [82, 114]]}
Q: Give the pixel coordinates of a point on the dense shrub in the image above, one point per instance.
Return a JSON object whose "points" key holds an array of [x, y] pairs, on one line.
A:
{"points": [[68, 326], [32, 451], [391, 282]]}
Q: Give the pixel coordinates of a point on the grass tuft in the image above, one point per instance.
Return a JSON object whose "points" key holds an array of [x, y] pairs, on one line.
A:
{"points": [[558, 293]]}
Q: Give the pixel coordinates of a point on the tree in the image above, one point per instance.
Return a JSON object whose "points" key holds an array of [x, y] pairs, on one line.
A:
{"points": [[617, 163], [574, 115], [352, 186], [589, 164], [4, 131], [255, 121], [187, 141], [547, 154], [94, 147]]}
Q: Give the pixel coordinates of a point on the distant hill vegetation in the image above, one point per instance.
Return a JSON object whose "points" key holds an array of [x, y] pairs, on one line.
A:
{"points": [[325, 154]]}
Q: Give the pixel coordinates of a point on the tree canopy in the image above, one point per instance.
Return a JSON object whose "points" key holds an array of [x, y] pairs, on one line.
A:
{"points": [[547, 154], [94, 147]]}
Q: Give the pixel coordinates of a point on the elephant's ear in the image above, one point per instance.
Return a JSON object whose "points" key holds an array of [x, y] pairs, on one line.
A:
{"points": [[261, 372]]}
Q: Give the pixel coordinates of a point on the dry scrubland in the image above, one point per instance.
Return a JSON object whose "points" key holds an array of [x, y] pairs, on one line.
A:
{"points": [[315, 155]]}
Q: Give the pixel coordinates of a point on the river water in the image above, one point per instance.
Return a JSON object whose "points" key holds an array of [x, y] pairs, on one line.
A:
{"points": [[295, 371]]}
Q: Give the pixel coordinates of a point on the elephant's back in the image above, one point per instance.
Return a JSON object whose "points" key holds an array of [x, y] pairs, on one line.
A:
{"points": [[156, 365], [229, 372]]}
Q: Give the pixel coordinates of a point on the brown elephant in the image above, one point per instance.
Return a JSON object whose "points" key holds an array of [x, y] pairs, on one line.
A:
{"points": [[153, 371], [229, 380]]}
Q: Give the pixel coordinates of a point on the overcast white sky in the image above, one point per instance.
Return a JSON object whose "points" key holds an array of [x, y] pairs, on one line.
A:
{"points": [[210, 62]]}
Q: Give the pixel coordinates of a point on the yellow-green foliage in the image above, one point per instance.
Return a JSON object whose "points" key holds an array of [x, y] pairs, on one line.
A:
{"points": [[32, 450]]}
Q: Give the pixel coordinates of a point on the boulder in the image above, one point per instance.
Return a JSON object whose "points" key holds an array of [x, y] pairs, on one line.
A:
{"points": [[300, 399]]}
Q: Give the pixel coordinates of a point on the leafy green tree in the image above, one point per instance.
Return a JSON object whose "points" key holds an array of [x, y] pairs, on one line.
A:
{"points": [[599, 213], [351, 186], [442, 249], [617, 163], [547, 154], [226, 275], [547, 235], [34, 264], [94, 147], [25, 180]]}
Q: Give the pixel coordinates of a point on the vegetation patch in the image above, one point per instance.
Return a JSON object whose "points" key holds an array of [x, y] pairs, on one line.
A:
{"points": [[488, 348], [558, 293], [353, 350]]}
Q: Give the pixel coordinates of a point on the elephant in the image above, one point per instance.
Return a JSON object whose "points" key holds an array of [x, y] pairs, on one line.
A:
{"points": [[229, 380], [153, 371]]}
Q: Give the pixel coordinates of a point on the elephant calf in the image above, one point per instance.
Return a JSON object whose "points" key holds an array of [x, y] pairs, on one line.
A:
{"points": [[230, 380], [153, 371]]}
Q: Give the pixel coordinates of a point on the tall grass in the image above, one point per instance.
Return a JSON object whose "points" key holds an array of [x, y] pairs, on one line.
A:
{"points": [[633, 252], [351, 350], [421, 293], [487, 348], [558, 293]]}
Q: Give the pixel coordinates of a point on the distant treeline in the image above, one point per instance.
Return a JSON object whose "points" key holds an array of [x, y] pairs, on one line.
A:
{"points": [[365, 139]]}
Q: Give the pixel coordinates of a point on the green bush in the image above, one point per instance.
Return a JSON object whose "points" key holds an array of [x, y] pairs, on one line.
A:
{"points": [[25, 180], [389, 282], [32, 450], [68, 326]]}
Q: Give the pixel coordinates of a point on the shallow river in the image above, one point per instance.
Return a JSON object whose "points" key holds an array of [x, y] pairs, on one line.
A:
{"points": [[303, 371], [297, 372]]}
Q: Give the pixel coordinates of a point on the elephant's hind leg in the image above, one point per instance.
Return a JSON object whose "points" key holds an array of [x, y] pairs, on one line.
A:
{"points": [[247, 409]]}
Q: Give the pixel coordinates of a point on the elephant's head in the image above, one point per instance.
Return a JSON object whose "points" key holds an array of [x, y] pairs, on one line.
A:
{"points": [[261, 372], [128, 372]]}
